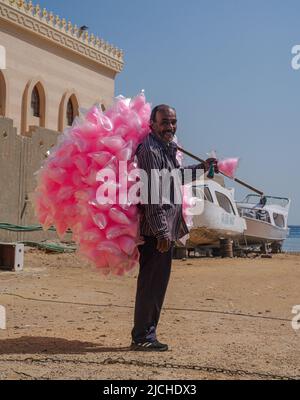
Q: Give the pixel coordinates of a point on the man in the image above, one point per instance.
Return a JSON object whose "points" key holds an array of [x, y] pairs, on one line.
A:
{"points": [[160, 226]]}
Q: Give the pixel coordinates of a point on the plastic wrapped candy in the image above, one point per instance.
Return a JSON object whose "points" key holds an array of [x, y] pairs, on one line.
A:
{"points": [[69, 195], [228, 166]]}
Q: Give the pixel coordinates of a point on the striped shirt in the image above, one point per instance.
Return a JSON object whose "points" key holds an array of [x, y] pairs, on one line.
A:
{"points": [[162, 220]]}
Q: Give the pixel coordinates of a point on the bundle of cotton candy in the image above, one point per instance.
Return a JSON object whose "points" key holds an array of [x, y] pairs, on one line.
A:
{"points": [[228, 166], [79, 184]]}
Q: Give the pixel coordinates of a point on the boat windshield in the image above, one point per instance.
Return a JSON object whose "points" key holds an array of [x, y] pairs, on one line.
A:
{"points": [[270, 200], [202, 192]]}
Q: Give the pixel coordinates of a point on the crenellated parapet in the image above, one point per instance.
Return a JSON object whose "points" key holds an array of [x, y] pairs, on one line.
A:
{"points": [[62, 32]]}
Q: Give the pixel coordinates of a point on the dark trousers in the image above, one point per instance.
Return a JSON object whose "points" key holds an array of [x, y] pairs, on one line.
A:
{"points": [[152, 283]]}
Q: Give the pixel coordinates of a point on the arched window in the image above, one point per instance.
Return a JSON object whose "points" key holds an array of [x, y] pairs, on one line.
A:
{"points": [[68, 110], [35, 102], [70, 113]]}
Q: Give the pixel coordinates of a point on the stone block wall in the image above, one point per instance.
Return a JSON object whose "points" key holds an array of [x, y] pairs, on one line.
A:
{"points": [[20, 158]]}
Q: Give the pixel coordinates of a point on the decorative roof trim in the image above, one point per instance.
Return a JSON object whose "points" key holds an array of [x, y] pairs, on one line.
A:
{"points": [[58, 31]]}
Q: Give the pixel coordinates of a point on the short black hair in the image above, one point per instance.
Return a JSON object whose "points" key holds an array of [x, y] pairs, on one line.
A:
{"points": [[160, 107]]}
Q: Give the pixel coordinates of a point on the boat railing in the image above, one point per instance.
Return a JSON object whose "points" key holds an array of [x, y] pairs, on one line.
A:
{"points": [[258, 201]]}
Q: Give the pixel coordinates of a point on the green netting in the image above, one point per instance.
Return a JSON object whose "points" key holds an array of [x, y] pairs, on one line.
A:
{"points": [[52, 247]]}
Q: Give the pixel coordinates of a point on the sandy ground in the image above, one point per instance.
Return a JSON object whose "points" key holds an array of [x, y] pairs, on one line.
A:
{"points": [[223, 319]]}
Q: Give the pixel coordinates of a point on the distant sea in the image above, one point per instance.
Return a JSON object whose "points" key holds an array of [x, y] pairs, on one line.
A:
{"points": [[292, 243]]}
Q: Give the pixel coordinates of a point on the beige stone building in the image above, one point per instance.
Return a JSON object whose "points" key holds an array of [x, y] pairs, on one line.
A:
{"points": [[48, 69], [51, 68]]}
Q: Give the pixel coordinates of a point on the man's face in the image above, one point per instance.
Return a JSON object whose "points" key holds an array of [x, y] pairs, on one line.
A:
{"points": [[165, 124]]}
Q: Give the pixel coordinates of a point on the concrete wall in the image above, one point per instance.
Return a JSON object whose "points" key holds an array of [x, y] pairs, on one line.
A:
{"points": [[10, 163], [20, 158]]}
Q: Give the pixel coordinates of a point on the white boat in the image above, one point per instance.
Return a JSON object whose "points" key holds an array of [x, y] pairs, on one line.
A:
{"points": [[219, 218], [266, 218]]}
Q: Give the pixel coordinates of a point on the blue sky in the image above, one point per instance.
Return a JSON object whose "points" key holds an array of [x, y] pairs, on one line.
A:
{"points": [[225, 66]]}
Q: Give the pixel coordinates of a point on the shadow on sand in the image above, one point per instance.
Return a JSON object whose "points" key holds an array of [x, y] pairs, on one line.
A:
{"points": [[53, 345]]}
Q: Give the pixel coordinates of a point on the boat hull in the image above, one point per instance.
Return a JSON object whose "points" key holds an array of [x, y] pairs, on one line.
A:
{"points": [[263, 232], [214, 224]]}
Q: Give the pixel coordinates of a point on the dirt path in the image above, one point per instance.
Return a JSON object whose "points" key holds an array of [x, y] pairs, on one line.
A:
{"points": [[223, 319]]}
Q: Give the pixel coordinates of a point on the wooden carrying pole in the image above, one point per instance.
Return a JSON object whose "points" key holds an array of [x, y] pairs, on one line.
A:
{"points": [[235, 179]]}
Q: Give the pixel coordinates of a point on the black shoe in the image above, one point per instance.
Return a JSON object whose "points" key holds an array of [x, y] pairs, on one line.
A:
{"points": [[149, 346]]}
